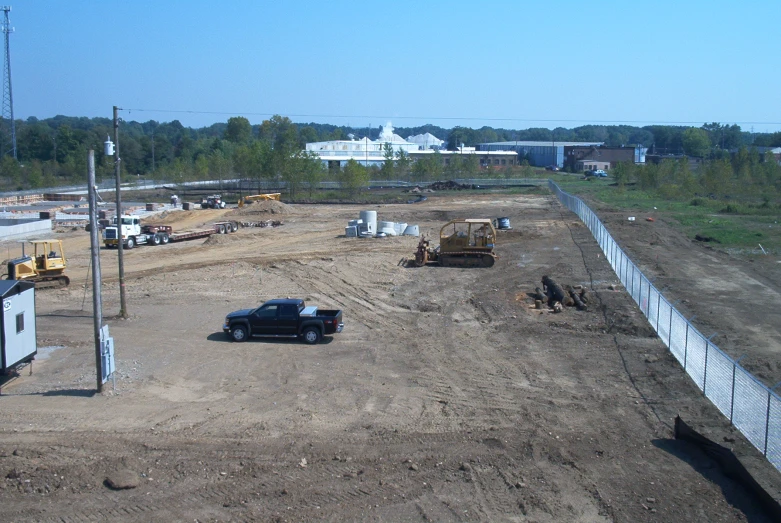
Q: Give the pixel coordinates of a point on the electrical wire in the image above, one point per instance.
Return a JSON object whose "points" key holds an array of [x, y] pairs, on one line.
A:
{"points": [[438, 118]]}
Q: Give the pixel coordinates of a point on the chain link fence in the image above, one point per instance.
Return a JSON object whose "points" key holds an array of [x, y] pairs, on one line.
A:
{"points": [[751, 406]]}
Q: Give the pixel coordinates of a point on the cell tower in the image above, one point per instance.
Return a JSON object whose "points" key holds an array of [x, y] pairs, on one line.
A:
{"points": [[8, 97]]}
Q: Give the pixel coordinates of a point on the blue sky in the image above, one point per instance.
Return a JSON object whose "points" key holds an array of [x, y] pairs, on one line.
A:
{"points": [[512, 64]]}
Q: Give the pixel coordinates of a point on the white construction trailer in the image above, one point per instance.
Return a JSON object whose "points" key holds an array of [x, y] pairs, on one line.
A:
{"points": [[18, 343]]}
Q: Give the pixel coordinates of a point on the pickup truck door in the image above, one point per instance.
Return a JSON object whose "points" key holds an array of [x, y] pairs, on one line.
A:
{"points": [[287, 321], [264, 320]]}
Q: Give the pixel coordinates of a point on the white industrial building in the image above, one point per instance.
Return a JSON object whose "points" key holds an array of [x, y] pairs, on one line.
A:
{"points": [[372, 152]]}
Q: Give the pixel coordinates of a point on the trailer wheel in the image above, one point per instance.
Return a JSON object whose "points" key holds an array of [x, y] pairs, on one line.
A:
{"points": [[222, 228], [311, 335], [164, 238], [156, 239], [239, 333], [234, 226], [130, 243]]}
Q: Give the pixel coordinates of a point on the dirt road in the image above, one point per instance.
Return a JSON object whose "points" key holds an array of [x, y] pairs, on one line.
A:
{"points": [[448, 397]]}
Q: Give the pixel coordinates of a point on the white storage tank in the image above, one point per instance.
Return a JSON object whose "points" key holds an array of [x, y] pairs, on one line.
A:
{"points": [[369, 219], [400, 228], [412, 230]]}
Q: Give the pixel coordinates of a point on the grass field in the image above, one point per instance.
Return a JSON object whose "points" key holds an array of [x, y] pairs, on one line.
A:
{"points": [[735, 227]]}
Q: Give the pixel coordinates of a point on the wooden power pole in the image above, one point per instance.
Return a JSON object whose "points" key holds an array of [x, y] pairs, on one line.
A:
{"points": [[97, 311], [120, 250]]}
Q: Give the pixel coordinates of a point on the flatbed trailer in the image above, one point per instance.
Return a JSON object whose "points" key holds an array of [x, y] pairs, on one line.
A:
{"points": [[190, 235], [133, 233]]}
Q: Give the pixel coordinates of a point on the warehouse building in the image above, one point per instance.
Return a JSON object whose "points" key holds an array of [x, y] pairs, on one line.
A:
{"points": [[540, 154]]}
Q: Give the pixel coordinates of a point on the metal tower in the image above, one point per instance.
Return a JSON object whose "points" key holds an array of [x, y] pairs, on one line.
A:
{"points": [[8, 97]]}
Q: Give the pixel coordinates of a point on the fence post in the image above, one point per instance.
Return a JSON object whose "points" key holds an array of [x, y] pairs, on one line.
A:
{"points": [[640, 297], [732, 400], [767, 419], [686, 345], [632, 291], [658, 304], [705, 371]]}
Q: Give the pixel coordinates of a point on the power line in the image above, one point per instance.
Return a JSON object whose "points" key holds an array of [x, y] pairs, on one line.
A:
{"points": [[448, 118]]}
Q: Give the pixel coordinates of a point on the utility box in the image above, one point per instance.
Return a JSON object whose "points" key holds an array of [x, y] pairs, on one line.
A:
{"points": [[18, 342]]}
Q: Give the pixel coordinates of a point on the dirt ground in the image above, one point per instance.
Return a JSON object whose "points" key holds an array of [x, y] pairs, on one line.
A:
{"points": [[448, 397]]}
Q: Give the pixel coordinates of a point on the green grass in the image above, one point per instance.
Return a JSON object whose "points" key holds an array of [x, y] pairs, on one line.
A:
{"points": [[735, 227]]}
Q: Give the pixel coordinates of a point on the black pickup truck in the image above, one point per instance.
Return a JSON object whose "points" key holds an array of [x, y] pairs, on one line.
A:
{"points": [[283, 318]]}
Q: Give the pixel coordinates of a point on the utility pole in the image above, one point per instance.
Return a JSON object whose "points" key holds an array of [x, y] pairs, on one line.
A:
{"points": [[8, 97], [97, 307], [120, 250]]}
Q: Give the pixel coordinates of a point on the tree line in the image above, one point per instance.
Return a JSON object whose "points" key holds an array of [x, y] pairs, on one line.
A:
{"points": [[53, 151]]}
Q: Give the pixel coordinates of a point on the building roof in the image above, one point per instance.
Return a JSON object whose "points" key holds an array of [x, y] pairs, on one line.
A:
{"points": [[12, 287], [425, 139]]}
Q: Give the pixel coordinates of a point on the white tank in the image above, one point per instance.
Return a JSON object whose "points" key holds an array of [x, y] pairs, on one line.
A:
{"points": [[389, 231], [354, 222], [400, 228], [412, 230], [370, 220]]}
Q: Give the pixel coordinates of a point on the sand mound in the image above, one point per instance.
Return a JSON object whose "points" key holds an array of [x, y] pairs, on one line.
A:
{"points": [[262, 207]]}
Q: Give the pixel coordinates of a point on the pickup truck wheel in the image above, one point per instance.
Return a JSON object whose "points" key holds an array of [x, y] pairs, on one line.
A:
{"points": [[239, 333], [311, 335], [130, 243]]}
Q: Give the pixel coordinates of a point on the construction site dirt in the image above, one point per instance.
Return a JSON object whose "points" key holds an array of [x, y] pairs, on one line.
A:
{"points": [[447, 397]]}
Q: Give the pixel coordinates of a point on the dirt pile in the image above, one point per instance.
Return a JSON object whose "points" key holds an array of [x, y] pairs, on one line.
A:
{"points": [[450, 186], [221, 239], [262, 207]]}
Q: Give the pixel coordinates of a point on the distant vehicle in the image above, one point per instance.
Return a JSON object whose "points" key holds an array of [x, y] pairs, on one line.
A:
{"points": [[599, 173], [552, 168], [283, 318], [213, 201]]}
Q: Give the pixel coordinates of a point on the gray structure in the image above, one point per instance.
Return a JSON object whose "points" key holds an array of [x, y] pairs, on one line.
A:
{"points": [[540, 154], [17, 323], [21, 227]]}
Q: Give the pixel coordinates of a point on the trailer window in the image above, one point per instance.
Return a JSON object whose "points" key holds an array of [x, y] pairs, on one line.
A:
{"points": [[19, 323]]}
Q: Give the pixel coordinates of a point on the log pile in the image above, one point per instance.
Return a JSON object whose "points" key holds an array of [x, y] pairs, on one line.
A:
{"points": [[558, 297]]}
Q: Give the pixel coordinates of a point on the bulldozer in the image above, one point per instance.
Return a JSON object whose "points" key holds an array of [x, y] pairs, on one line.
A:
{"points": [[466, 242], [259, 197], [45, 268]]}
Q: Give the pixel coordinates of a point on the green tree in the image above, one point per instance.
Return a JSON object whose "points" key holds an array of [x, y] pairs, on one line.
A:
{"points": [[455, 166], [34, 174], [696, 142], [239, 130], [10, 173], [403, 162], [470, 165], [312, 170], [716, 176], [388, 166], [307, 135], [219, 165], [353, 177]]}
